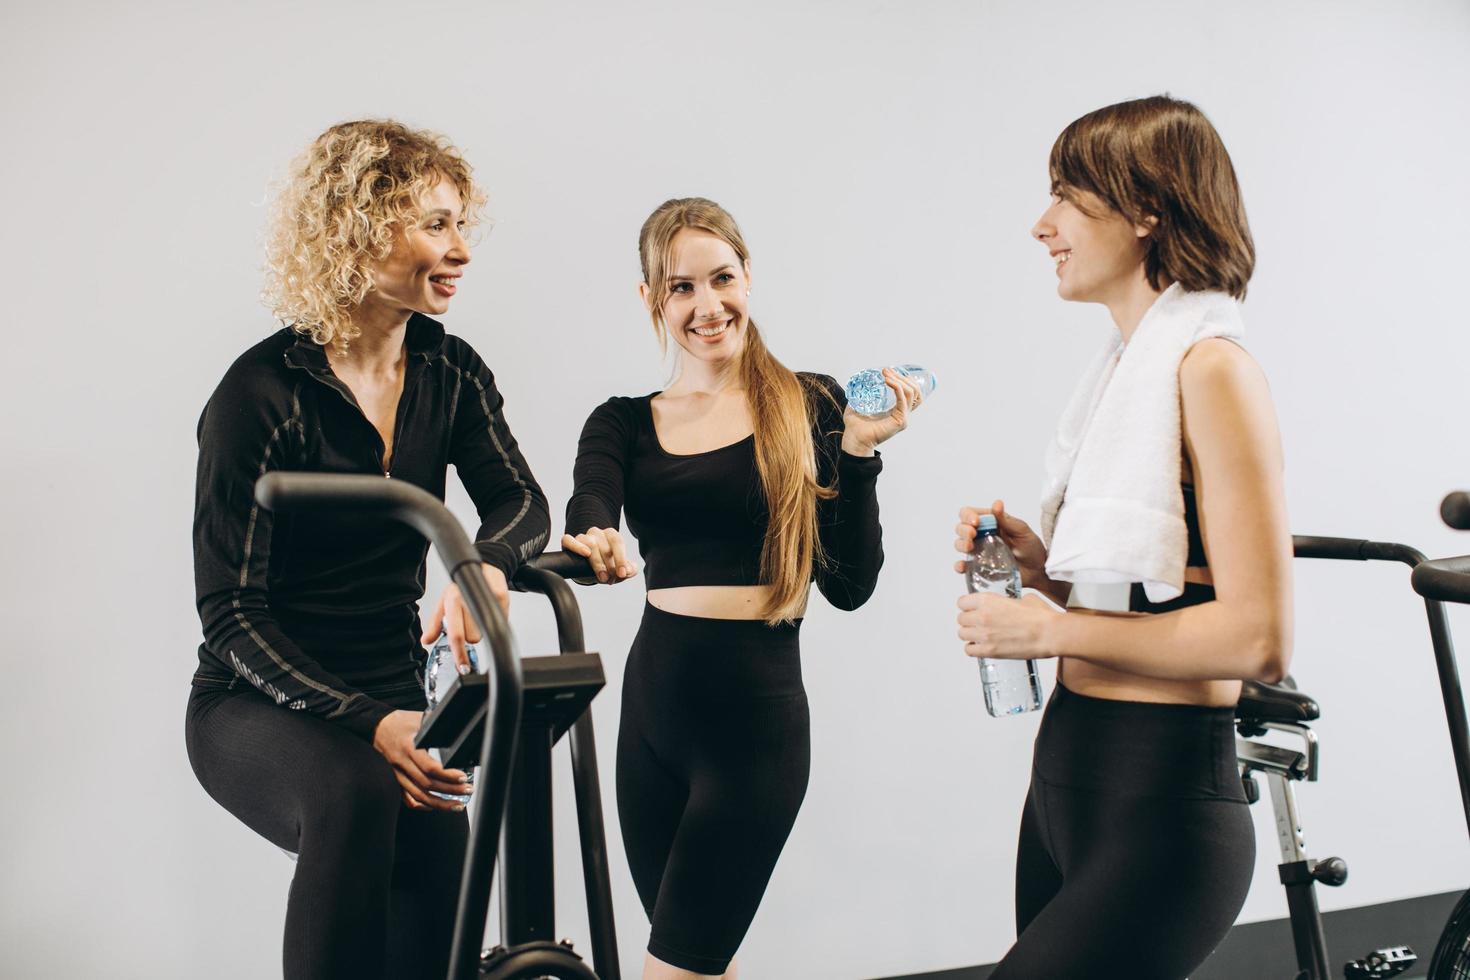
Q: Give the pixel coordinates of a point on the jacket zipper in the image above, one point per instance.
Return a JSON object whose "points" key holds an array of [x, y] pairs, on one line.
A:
{"points": [[336, 384]]}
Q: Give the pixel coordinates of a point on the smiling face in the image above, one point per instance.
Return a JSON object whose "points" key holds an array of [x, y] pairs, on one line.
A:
{"points": [[1097, 258], [420, 273], [705, 301]]}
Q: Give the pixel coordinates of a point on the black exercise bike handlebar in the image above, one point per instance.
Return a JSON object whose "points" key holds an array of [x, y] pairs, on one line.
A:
{"points": [[397, 499], [404, 502], [1445, 580], [558, 563], [1353, 549], [548, 574]]}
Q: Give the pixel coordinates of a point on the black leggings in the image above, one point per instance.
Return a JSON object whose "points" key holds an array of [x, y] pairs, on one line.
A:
{"points": [[1136, 844], [376, 883], [713, 755]]}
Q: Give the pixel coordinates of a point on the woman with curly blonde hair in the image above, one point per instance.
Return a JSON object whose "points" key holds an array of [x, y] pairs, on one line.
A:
{"points": [[307, 697]]}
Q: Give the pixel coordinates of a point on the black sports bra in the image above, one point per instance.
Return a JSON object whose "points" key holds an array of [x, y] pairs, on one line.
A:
{"points": [[1194, 592]]}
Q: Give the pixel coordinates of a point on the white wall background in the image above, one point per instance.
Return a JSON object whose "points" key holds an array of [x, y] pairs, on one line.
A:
{"points": [[885, 161]]}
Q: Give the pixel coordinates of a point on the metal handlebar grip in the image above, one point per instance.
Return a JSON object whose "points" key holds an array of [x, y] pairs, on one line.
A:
{"points": [[1353, 549], [1445, 579], [1454, 510], [1340, 549], [560, 563]]}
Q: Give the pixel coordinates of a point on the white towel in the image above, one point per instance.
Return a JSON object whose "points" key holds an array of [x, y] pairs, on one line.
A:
{"points": [[1116, 455]]}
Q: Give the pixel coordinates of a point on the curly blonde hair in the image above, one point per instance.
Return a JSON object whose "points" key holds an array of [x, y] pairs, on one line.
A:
{"points": [[343, 204]]}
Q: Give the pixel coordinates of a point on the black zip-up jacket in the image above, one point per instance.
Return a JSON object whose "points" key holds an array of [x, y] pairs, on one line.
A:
{"points": [[319, 611]]}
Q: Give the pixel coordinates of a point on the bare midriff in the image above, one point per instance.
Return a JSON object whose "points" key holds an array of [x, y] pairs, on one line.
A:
{"points": [[1096, 681], [713, 601]]}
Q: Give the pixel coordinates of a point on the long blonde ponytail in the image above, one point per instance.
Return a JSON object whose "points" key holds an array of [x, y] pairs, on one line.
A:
{"points": [[781, 411]]}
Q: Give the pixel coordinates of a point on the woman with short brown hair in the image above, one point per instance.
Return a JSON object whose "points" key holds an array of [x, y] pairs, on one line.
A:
{"points": [[1164, 531]]}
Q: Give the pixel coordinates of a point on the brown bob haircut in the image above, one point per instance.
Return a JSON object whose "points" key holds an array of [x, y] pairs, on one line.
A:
{"points": [[1159, 161]]}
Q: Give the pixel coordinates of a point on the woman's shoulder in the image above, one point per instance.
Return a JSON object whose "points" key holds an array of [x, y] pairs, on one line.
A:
{"points": [[826, 399], [257, 393], [460, 355], [1224, 394], [623, 414], [1217, 362], [816, 381], [453, 353], [261, 368], [625, 404]]}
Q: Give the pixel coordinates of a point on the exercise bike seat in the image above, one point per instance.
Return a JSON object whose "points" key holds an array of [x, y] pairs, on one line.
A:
{"points": [[1275, 702]]}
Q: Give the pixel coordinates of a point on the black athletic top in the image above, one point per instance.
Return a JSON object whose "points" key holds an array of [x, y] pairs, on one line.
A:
{"points": [[320, 611], [1194, 592], [700, 519]]}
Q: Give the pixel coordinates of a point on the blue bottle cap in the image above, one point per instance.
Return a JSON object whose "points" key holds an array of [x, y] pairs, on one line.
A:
{"points": [[987, 522]]}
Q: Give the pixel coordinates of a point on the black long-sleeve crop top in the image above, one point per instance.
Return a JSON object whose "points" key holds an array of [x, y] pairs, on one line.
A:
{"points": [[700, 519]]}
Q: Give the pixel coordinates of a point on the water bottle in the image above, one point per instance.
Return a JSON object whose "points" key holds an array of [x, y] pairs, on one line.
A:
{"points": [[1012, 687], [869, 395], [441, 671]]}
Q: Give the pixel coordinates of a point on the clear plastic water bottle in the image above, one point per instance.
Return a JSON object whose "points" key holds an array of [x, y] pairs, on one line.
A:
{"points": [[440, 672], [1012, 687], [869, 394]]}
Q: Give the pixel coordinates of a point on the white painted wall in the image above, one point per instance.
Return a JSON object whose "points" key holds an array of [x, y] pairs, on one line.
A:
{"points": [[885, 161]]}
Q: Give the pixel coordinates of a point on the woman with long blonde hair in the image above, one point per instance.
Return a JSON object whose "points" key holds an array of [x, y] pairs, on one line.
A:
{"points": [[743, 481], [308, 692]]}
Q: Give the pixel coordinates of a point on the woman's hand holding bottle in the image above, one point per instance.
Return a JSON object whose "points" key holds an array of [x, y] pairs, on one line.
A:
{"points": [[419, 774], [999, 628], [1025, 544], [861, 433], [451, 615]]}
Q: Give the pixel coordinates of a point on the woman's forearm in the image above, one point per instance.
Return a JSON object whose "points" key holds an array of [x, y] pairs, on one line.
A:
{"points": [[1058, 592], [851, 534], [1211, 641], [854, 446]]}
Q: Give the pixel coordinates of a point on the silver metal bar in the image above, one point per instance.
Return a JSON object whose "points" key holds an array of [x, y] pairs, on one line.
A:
{"points": [[1270, 759], [1265, 757], [1288, 824], [1308, 736]]}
